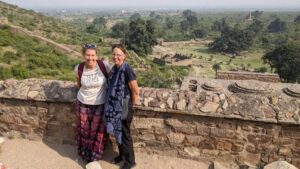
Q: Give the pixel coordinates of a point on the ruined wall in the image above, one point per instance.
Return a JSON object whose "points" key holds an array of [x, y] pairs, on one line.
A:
{"points": [[253, 127], [266, 77]]}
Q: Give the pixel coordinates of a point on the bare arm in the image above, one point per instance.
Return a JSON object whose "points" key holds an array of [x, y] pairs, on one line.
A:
{"points": [[133, 86]]}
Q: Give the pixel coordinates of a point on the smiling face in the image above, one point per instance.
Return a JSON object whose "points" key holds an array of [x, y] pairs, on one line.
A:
{"points": [[90, 57], [118, 56]]}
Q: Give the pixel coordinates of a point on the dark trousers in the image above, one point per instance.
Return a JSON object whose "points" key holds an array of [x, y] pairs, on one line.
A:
{"points": [[126, 148]]}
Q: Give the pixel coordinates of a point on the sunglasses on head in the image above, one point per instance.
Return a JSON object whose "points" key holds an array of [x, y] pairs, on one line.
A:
{"points": [[89, 46]]}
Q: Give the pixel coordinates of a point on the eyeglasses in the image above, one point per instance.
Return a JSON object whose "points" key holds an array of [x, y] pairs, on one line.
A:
{"points": [[117, 54], [89, 46]]}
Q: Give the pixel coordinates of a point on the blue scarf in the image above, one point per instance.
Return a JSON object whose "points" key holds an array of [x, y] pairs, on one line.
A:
{"points": [[114, 101]]}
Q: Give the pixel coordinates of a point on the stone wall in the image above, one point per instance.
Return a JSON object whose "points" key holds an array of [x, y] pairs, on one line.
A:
{"points": [[205, 124], [266, 77]]}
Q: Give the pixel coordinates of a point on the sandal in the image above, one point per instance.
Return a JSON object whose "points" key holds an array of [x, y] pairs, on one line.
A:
{"points": [[117, 160]]}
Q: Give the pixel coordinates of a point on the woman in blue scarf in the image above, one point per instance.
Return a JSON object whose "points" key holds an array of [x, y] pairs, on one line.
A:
{"points": [[121, 96]]}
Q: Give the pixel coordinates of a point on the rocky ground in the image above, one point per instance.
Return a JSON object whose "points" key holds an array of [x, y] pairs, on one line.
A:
{"points": [[24, 154]]}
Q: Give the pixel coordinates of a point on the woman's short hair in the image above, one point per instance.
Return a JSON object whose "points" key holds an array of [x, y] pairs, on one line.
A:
{"points": [[121, 47]]}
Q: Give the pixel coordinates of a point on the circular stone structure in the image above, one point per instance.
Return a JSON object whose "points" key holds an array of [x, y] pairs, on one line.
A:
{"points": [[193, 88], [212, 86], [193, 81], [293, 91], [250, 86]]}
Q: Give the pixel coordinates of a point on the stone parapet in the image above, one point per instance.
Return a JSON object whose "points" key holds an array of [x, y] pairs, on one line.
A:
{"points": [[253, 100], [251, 123]]}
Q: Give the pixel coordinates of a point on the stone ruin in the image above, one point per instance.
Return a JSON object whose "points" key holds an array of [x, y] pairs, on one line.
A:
{"points": [[252, 122], [236, 75]]}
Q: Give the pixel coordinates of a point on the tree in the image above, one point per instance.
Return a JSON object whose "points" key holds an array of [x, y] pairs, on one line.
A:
{"points": [[216, 68], [135, 17], [170, 22], [200, 33], [190, 22], [152, 14], [119, 30], [233, 40], [257, 26], [97, 25], [297, 19], [100, 22], [277, 26], [141, 36], [256, 14], [220, 25], [187, 13], [286, 60]]}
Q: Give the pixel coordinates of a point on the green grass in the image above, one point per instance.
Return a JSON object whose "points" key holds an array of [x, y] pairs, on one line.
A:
{"points": [[202, 55], [24, 57]]}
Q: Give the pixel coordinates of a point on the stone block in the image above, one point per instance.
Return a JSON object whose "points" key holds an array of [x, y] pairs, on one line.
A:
{"points": [[237, 147], [251, 149], [251, 158], [192, 140], [284, 151], [181, 104], [203, 131], [146, 136], [283, 141], [93, 165], [179, 126], [209, 107], [192, 151], [148, 123], [222, 133], [224, 145], [296, 162], [296, 152], [225, 162], [210, 153], [170, 103], [280, 165], [175, 138], [259, 139]]}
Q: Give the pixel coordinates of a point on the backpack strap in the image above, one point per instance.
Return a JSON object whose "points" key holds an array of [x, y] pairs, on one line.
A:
{"points": [[100, 64], [102, 68], [80, 70]]}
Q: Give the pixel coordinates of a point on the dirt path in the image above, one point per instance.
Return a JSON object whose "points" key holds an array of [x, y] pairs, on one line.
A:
{"points": [[65, 49], [24, 154]]}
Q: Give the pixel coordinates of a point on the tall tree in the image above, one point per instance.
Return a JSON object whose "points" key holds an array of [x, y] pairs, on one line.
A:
{"points": [[233, 40], [286, 60], [135, 17], [170, 22], [256, 14], [141, 36], [101, 22], [119, 30], [220, 25], [277, 26], [216, 67], [190, 22], [97, 25], [297, 19], [257, 26]]}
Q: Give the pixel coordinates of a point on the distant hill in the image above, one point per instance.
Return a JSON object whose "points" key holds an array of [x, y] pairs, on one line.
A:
{"points": [[23, 56], [40, 24]]}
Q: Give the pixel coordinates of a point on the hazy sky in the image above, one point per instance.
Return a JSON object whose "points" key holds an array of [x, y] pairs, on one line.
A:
{"points": [[161, 3]]}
